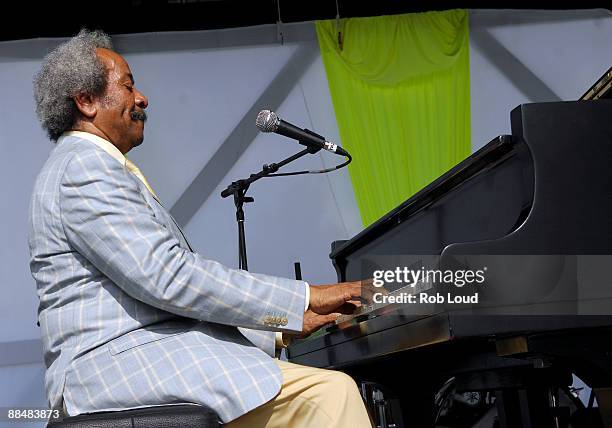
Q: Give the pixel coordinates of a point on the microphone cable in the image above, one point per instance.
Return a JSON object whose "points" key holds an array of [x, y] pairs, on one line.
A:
{"points": [[316, 171]]}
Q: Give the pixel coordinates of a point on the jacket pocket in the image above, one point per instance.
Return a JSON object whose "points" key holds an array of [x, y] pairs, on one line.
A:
{"points": [[143, 336]]}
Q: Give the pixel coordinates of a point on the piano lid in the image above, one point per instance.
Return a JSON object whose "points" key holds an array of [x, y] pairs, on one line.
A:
{"points": [[564, 208], [480, 163]]}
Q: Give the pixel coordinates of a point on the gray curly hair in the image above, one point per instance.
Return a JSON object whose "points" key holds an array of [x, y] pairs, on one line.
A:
{"points": [[70, 69]]}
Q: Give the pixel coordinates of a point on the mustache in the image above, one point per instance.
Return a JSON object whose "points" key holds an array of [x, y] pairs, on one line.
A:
{"points": [[138, 115]]}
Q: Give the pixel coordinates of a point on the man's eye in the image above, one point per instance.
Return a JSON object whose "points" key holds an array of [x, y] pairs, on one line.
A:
{"points": [[130, 88]]}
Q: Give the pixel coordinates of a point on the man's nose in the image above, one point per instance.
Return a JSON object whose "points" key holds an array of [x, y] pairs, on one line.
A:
{"points": [[141, 100]]}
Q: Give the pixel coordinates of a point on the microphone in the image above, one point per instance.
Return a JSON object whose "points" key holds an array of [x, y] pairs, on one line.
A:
{"points": [[268, 121]]}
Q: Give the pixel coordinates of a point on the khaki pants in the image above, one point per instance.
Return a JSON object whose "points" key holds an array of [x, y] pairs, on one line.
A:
{"points": [[309, 397]]}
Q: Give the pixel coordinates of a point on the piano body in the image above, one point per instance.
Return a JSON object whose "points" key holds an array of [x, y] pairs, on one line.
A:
{"points": [[545, 191]]}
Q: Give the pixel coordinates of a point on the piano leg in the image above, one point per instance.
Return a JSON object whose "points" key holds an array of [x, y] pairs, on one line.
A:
{"points": [[382, 404], [604, 402], [417, 403], [408, 392], [526, 408]]}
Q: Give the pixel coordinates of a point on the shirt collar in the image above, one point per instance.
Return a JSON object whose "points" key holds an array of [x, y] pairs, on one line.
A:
{"points": [[105, 145]]}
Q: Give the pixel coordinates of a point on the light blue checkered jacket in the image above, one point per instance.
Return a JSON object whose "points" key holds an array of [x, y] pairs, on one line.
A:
{"points": [[129, 316]]}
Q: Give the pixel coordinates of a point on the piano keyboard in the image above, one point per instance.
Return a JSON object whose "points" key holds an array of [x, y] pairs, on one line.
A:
{"points": [[366, 309]]}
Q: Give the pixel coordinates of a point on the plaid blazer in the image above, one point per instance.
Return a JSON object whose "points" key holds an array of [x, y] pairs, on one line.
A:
{"points": [[129, 316]]}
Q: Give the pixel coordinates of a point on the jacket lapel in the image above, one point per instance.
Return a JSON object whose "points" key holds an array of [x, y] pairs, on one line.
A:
{"points": [[163, 215]]}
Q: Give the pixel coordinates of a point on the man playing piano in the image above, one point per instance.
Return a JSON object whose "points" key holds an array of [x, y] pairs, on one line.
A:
{"points": [[131, 316]]}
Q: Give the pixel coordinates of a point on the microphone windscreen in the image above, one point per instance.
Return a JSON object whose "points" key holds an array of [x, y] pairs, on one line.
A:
{"points": [[267, 121]]}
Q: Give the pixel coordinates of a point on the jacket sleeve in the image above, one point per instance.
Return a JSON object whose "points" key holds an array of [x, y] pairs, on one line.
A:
{"points": [[264, 340], [107, 220]]}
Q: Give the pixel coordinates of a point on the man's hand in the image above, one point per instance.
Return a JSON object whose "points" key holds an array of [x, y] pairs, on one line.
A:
{"points": [[343, 297], [313, 322], [328, 302]]}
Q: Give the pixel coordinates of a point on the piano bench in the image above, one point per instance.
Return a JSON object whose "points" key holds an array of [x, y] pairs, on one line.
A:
{"points": [[178, 416]]}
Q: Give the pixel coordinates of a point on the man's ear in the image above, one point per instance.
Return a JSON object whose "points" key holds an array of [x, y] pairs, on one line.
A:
{"points": [[86, 105]]}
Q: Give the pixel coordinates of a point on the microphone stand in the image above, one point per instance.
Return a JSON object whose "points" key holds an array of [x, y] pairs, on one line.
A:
{"points": [[239, 188]]}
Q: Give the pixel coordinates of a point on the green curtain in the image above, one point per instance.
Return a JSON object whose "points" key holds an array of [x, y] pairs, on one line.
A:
{"points": [[400, 86]]}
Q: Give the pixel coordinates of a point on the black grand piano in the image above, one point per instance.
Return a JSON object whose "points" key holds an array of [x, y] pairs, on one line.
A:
{"points": [[544, 191]]}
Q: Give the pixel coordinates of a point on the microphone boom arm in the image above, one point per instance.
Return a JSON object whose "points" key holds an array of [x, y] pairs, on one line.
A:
{"points": [[239, 188], [265, 171]]}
